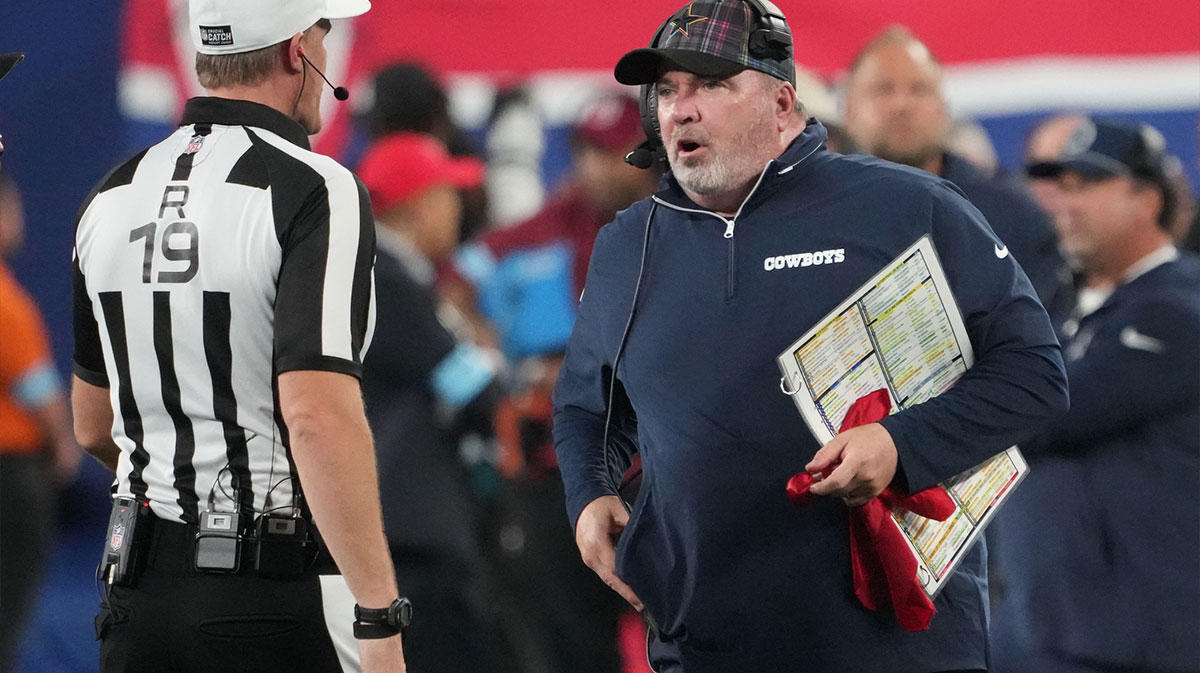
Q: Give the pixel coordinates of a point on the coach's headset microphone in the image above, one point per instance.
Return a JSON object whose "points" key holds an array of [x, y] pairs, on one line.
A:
{"points": [[339, 92]]}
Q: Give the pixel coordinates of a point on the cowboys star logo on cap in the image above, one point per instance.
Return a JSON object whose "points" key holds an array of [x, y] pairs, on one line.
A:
{"points": [[681, 24]]}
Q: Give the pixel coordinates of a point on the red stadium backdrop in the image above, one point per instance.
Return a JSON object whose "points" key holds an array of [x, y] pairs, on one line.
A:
{"points": [[1005, 58]]}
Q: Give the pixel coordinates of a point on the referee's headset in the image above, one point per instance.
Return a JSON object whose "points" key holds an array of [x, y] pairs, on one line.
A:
{"points": [[769, 40], [339, 92]]}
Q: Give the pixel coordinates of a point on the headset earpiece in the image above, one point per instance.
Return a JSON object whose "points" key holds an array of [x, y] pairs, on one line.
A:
{"points": [[651, 151], [648, 107], [771, 39]]}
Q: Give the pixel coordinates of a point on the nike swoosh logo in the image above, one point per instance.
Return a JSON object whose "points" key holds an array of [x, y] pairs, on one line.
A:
{"points": [[1131, 338], [1001, 252]]}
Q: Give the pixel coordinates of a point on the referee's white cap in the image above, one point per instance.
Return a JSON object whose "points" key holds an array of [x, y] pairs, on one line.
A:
{"points": [[236, 26]]}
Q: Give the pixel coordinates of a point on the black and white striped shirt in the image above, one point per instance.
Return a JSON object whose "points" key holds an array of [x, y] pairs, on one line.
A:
{"points": [[204, 267]]}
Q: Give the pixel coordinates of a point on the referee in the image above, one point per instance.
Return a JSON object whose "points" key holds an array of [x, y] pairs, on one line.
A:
{"points": [[223, 303]]}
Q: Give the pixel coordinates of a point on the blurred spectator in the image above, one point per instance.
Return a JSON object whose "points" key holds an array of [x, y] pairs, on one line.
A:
{"points": [[896, 109], [407, 97], [1043, 144], [970, 141], [1101, 544], [526, 280], [516, 143], [1182, 228], [820, 102], [425, 387], [37, 447], [1191, 239]]}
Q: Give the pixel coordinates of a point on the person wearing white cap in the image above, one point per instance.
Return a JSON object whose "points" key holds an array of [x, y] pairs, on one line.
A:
{"points": [[224, 301]]}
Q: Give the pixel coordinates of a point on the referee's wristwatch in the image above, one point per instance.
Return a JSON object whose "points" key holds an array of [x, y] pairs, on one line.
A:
{"points": [[386, 622]]}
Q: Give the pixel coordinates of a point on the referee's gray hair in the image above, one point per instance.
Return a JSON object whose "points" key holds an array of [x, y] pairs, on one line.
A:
{"points": [[248, 68], [217, 71]]}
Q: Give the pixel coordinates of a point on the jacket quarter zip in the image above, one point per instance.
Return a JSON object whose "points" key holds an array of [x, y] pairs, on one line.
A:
{"points": [[731, 258]]}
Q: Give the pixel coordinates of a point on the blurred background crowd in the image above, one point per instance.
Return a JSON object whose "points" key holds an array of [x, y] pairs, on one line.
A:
{"points": [[491, 136]]}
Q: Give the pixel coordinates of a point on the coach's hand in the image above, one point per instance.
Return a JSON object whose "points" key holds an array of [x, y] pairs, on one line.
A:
{"points": [[596, 532], [863, 463]]}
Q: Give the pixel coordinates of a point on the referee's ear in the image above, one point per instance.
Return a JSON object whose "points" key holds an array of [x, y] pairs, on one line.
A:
{"points": [[292, 60]]}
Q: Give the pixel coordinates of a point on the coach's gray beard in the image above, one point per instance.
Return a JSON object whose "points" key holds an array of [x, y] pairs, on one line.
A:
{"points": [[729, 165], [701, 177]]}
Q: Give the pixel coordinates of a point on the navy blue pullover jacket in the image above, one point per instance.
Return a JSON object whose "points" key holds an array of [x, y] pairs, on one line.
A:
{"points": [[1111, 494], [736, 575]]}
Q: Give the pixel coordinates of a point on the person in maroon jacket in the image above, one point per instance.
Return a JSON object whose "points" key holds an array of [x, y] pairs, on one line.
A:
{"points": [[599, 184]]}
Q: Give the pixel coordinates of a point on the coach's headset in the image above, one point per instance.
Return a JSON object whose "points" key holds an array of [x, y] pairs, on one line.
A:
{"points": [[770, 39]]}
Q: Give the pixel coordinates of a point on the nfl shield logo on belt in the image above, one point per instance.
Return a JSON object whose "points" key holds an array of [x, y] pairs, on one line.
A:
{"points": [[118, 537]]}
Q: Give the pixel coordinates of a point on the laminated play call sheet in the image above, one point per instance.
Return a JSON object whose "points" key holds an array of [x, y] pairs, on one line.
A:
{"points": [[902, 331]]}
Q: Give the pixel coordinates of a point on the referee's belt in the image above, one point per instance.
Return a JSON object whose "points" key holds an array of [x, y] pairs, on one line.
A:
{"points": [[172, 550]]}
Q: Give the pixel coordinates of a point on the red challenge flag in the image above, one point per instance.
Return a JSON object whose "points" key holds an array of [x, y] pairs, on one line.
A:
{"points": [[883, 566]]}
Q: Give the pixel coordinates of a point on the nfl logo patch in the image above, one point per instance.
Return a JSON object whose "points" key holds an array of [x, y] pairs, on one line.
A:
{"points": [[118, 537], [195, 145]]}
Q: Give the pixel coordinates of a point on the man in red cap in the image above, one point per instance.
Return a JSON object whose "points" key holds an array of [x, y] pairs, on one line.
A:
{"points": [[426, 386], [412, 180]]}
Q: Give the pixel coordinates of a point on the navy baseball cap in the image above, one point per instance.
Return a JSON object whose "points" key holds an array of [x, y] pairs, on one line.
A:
{"points": [[9, 61], [1102, 149], [716, 38]]}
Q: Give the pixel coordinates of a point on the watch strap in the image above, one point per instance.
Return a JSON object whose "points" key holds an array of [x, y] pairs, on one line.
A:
{"points": [[370, 623], [372, 631]]}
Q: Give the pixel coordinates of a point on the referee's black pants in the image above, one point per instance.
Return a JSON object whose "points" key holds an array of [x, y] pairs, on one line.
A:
{"points": [[176, 620]]}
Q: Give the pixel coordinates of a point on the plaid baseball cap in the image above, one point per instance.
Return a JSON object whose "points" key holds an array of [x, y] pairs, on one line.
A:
{"points": [[1104, 149], [238, 26], [9, 61], [714, 38]]}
